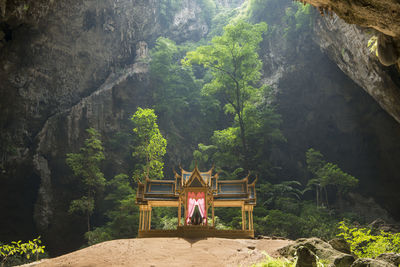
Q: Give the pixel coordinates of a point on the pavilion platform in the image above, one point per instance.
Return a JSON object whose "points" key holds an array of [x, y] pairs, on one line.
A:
{"points": [[196, 231]]}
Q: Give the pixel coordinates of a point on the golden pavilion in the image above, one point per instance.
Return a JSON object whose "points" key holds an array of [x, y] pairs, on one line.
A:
{"points": [[195, 194]]}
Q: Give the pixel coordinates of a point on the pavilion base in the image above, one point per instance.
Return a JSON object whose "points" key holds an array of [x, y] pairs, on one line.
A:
{"points": [[197, 232]]}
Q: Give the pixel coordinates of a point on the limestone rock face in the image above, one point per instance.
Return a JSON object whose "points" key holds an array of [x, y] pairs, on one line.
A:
{"points": [[346, 45], [382, 15], [59, 75], [189, 22]]}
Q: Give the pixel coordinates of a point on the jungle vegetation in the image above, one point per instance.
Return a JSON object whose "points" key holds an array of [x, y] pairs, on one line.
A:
{"points": [[214, 87]]}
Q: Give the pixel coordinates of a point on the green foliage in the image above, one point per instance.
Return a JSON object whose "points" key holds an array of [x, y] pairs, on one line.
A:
{"points": [[82, 205], [228, 218], [275, 262], [294, 219], [221, 20], [283, 262], [86, 166], [28, 249], [224, 151], [298, 19], [122, 212], [264, 10], [150, 145], [164, 218], [207, 10], [303, 17], [234, 64], [365, 244], [331, 174], [219, 224], [167, 9], [227, 143], [327, 174], [119, 141], [169, 223], [292, 20], [98, 235], [315, 160], [271, 194], [373, 44], [233, 61], [177, 98], [86, 163]]}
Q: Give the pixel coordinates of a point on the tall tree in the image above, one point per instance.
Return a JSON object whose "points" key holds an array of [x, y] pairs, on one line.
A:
{"points": [[235, 67], [86, 165], [150, 145]]}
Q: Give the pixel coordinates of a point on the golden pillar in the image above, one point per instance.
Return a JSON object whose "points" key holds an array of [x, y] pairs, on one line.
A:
{"points": [[243, 218], [179, 211]]}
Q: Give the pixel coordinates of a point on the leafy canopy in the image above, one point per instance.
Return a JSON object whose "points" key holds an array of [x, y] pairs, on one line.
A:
{"points": [[327, 173], [150, 145], [235, 66], [233, 61], [86, 163]]}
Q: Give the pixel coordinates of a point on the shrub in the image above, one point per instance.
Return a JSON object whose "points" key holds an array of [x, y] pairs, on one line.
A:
{"points": [[283, 262], [364, 244], [16, 249], [306, 222]]}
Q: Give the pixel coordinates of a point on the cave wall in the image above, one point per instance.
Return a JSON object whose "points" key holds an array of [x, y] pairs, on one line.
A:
{"points": [[57, 80], [324, 78], [347, 46], [76, 64], [80, 64]]}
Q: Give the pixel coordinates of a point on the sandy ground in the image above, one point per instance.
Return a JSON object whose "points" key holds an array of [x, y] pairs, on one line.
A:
{"points": [[169, 252]]}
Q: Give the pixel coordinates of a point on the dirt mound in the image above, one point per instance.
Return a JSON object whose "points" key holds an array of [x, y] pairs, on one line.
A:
{"points": [[170, 252]]}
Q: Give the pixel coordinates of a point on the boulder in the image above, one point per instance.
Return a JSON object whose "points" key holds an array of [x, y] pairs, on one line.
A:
{"points": [[321, 249], [344, 260], [306, 258], [340, 244], [380, 225], [393, 258], [365, 262]]}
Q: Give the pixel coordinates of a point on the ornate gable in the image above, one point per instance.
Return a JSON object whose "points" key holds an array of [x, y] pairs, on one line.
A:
{"points": [[196, 179]]}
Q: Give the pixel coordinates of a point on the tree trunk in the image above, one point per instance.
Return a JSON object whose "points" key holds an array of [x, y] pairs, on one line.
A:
{"points": [[88, 210], [326, 197], [340, 199], [244, 141]]}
